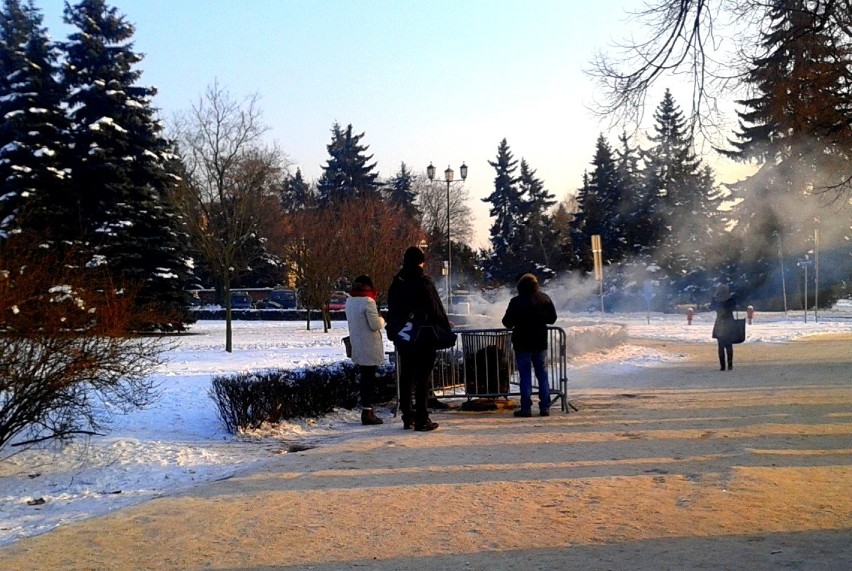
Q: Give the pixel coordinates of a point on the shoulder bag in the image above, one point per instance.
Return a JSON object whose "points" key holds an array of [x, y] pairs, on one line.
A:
{"points": [[417, 333], [738, 334]]}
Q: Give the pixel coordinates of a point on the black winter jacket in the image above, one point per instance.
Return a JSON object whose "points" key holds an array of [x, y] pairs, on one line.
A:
{"points": [[528, 316], [413, 292], [723, 327]]}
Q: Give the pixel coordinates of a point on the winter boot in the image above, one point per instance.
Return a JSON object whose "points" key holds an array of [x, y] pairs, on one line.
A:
{"points": [[369, 417]]}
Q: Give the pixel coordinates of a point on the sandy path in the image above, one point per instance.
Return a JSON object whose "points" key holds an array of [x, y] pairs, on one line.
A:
{"points": [[679, 466]]}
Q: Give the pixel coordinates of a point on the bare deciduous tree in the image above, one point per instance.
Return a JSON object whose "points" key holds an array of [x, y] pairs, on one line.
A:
{"points": [[67, 355], [723, 46], [231, 179], [711, 42], [432, 203], [375, 236], [312, 241]]}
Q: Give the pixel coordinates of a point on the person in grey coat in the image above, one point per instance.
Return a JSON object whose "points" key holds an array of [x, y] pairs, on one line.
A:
{"points": [[365, 334]]}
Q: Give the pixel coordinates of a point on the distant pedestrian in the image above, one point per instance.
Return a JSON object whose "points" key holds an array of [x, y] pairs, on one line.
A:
{"points": [[412, 297], [724, 303], [365, 334], [528, 315]]}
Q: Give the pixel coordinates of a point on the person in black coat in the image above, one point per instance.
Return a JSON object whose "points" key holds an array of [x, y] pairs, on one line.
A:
{"points": [[724, 327], [528, 315], [412, 294]]}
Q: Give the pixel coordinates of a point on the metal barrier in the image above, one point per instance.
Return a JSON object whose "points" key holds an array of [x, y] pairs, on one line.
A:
{"points": [[482, 365]]}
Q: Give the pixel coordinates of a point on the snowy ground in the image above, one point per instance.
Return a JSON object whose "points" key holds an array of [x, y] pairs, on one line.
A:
{"points": [[179, 442]]}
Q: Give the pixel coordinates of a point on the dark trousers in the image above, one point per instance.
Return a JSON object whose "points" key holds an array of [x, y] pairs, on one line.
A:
{"points": [[726, 347], [367, 384], [415, 370]]}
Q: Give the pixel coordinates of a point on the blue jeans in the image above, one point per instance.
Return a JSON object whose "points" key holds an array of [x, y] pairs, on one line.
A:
{"points": [[526, 362]]}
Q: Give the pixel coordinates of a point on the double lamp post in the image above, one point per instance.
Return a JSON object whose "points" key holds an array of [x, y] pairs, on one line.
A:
{"points": [[448, 177]]}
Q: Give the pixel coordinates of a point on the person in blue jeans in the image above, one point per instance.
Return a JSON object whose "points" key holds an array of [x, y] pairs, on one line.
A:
{"points": [[528, 315]]}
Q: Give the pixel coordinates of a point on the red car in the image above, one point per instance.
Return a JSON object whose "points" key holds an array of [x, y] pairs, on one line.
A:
{"points": [[337, 302]]}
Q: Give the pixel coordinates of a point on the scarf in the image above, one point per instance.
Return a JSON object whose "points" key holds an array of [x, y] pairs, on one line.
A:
{"points": [[364, 291]]}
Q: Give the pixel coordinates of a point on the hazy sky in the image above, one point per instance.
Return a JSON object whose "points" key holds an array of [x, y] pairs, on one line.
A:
{"points": [[440, 81]]}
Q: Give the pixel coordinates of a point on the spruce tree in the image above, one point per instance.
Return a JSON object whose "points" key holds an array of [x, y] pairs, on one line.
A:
{"points": [[540, 239], [32, 133], [636, 208], [507, 210], [682, 193], [121, 165], [348, 172], [296, 193], [599, 202], [401, 193], [797, 127]]}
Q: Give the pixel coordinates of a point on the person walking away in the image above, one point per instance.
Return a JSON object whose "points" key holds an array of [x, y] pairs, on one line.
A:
{"points": [[723, 328], [411, 295], [528, 315], [365, 334]]}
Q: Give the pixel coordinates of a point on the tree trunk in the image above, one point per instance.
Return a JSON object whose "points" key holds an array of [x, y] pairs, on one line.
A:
{"points": [[226, 288]]}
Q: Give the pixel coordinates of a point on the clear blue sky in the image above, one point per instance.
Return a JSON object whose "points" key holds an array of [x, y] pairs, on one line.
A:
{"points": [[440, 81]]}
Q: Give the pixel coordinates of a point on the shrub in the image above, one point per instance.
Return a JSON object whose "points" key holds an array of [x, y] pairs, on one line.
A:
{"points": [[245, 401], [68, 354]]}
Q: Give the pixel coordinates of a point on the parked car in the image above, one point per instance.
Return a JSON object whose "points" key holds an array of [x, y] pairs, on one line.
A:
{"points": [[467, 303], [337, 301], [241, 300], [278, 299]]}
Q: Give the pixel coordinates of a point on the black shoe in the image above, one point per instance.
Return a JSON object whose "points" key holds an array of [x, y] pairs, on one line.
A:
{"points": [[544, 412], [730, 367], [407, 425], [426, 426], [723, 368], [523, 413]]}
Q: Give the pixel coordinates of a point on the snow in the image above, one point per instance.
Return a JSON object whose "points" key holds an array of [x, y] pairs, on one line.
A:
{"points": [[178, 442]]}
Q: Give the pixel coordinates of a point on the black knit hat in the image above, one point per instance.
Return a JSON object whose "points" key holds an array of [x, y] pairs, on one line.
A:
{"points": [[363, 280], [413, 256]]}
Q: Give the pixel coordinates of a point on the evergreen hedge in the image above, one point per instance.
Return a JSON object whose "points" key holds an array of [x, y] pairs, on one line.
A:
{"points": [[246, 400]]}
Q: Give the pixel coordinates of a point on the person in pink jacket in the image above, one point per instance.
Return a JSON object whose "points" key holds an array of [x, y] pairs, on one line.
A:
{"points": [[365, 333]]}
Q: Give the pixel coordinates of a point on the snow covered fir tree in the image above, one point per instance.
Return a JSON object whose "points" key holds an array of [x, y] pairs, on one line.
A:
{"points": [[120, 169], [85, 168], [34, 191]]}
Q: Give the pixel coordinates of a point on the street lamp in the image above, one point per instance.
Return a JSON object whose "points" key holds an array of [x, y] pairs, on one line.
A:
{"points": [[448, 177]]}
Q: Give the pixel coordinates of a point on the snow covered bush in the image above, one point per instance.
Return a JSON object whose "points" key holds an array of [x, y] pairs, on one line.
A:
{"points": [[247, 400]]}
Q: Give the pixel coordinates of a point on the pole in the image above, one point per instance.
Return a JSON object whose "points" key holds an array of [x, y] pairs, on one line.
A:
{"points": [[816, 275], [806, 293], [783, 280], [449, 253], [597, 251]]}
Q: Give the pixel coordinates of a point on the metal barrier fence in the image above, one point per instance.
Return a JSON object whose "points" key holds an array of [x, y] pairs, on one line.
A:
{"points": [[482, 365]]}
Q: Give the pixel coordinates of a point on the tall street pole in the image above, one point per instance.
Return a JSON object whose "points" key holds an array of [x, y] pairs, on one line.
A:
{"points": [[448, 177]]}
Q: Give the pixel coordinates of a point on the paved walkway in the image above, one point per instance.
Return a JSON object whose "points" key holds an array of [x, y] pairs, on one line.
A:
{"points": [[673, 467]]}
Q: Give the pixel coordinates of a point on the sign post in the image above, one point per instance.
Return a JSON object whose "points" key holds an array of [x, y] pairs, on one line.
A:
{"points": [[597, 252], [648, 292], [816, 273], [804, 263]]}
